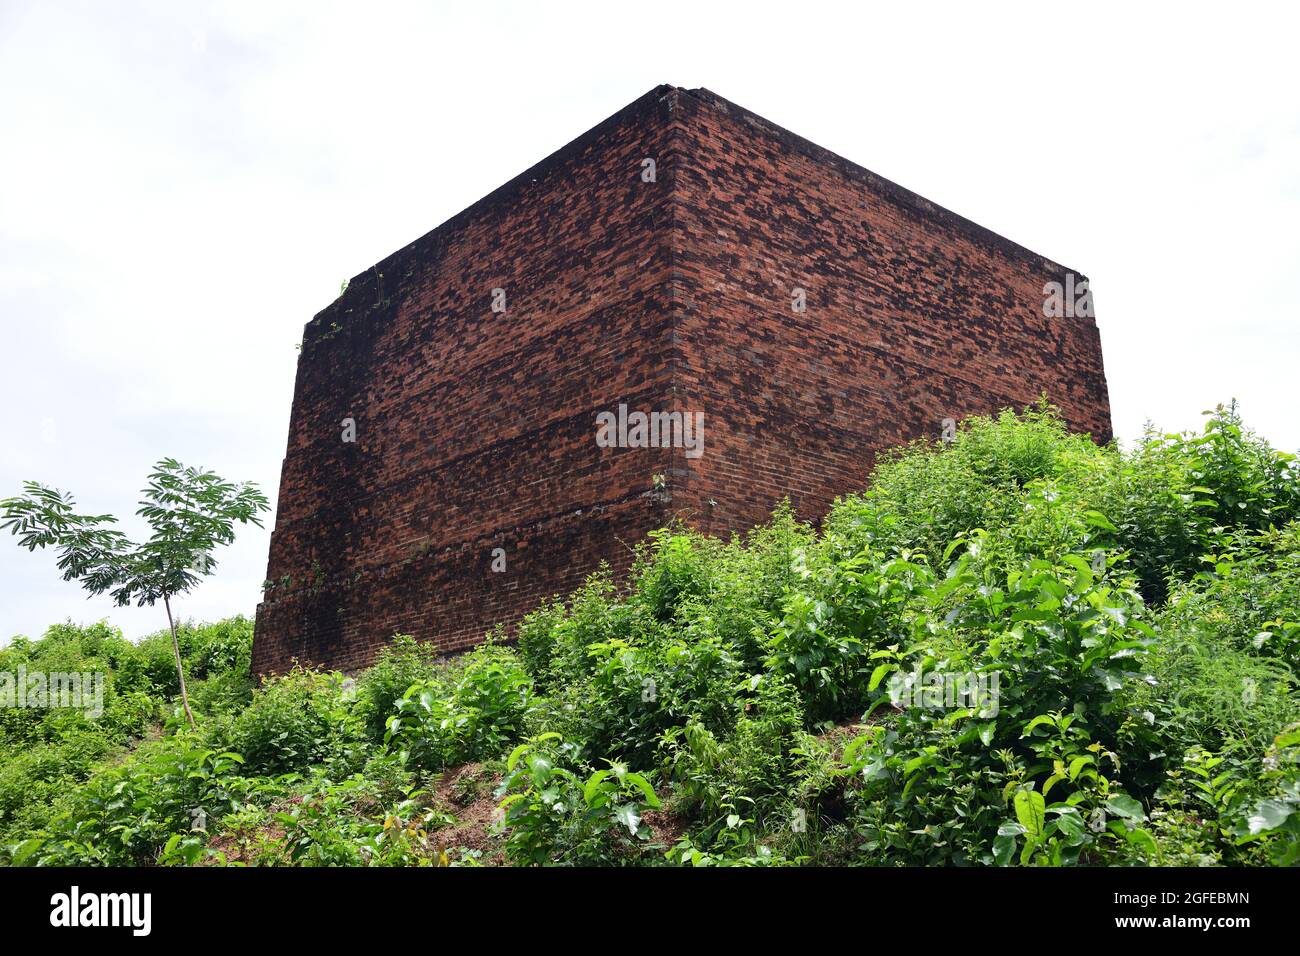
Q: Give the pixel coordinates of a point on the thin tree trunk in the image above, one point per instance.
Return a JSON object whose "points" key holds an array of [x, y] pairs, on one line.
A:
{"points": [[180, 671]]}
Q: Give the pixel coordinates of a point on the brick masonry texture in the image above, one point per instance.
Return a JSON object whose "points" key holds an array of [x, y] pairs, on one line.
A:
{"points": [[476, 430]]}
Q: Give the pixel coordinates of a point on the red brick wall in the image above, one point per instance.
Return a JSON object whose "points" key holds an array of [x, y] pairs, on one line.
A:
{"points": [[474, 430], [477, 431], [913, 315]]}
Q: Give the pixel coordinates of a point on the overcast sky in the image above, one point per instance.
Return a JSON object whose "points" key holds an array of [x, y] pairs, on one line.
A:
{"points": [[183, 186]]}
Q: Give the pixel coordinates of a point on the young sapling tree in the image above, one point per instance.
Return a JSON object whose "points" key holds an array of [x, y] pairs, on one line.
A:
{"points": [[191, 512]]}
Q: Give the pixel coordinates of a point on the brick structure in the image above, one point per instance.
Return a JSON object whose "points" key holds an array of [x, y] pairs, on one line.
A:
{"points": [[665, 287]]}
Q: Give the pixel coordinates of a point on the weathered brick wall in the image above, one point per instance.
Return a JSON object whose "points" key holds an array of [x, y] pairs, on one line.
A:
{"points": [[912, 315], [473, 428], [476, 430]]}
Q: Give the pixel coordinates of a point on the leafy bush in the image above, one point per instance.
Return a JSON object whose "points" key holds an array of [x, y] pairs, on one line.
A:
{"points": [[636, 692], [437, 727], [749, 774], [1271, 821], [126, 816], [1017, 648], [937, 778], [552, 816], [400, 666], [295, 721], [336, 826], [834, 620]]}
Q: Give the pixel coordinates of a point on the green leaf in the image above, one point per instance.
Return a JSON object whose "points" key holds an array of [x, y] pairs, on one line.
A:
{"points": [[1108, 680], [1040, 720], [24, 850], [878, 674], [1004, 846], [1052, 781], [593, 786], [1031, 812], [1140, 837], [1122, 805], [642, 784], [1099, 520], [515, 755], [1269, 815], [628, 815], [1070, 823]]}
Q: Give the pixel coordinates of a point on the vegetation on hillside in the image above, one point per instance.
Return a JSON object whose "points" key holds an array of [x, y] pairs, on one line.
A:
{"points": [[1016, 648]]}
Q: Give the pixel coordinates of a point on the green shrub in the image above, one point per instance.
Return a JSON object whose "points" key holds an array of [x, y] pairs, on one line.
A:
{"points": [[674, 570], [538, 634], [1270, 821], [834, 620], [749, 773], [935, 493], [401, 665], [553, 817], [295, 721], [438, 726], [1247, 598], [34, 778], [1131, 614], [939, 775], [637, 692], [126, 815], [348, 823]]}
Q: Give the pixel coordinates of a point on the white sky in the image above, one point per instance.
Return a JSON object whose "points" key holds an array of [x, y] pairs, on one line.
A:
{"points": [[183, 186]]}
